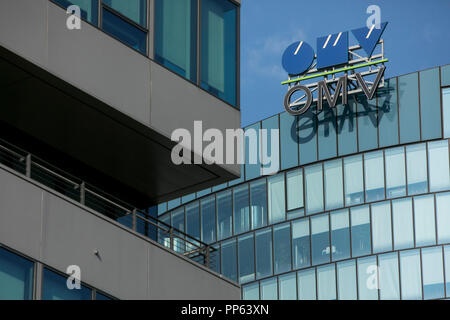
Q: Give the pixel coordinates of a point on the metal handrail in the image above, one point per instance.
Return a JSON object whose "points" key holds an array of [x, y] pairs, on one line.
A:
{"points": [[191, 248]]}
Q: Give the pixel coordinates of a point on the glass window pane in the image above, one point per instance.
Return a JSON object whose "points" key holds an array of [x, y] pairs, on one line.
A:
{"points": [[224, 215], [258, 200], [251, 291], [294, 180], [16, 277], [443, 217], [438, 165], [219, 54], [447, 269], [381, 227], [425, 228], [346, 280], [314, 189], [229, 264], [89, 8], [263, 244], [270, 146], [430, 104], [288, 286], [176, 36], [433, 277], [389, 276], [320, 239], [124, 31], [99, 296], [307, 130], [353, 172], [269, 289], [241, 209], [246, 258], [252, 147], [178, 219], [388, 114], [403, 224], [208, 219], [416, 163], [367, 123], [307, 284], [282, 248], [289, 141], [361, 243], [326, 282], [193, 220], [446, 111], [374, 175], [395, 172], [408, 96], [327, 133], [301, 244], [340, 235], [135, 10], [367, 278], [54, 287], [411, 282], [334, 193], [277, 204], [347, 141]]}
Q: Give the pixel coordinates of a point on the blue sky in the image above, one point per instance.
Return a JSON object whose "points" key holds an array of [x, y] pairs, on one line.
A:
{"points": [[417, 37]]}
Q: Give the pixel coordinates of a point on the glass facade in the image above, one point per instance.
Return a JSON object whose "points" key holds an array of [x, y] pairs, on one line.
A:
{"points": [[197, 39], [366, 217], [19, 277]]}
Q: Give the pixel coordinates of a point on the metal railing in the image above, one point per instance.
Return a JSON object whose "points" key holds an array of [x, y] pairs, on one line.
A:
{"points": [[88, 195]]}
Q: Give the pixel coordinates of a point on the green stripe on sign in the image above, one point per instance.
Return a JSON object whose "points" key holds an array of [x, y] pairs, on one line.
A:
{"points": [[335, 71]]}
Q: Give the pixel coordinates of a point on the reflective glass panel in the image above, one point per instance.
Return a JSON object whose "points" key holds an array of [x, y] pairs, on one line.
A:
{"points": [[408, 95], [282, 248], [367, 278], [288, 286], [326, 282], [340, 235], [301, 244], [353, 180], [425, 228], [16, 277], [246, 258], [395, 172], [251, 291], [135, 10], [241, 209], [432, 272], [258, 203], [89, 8], [360, 221], [54, 287], [269, 289], [294, 180], [228, 260], [374, 175], [389, 276], [438, 165], [263, 244], [224, 215], [346, 280], [208, 219], [320, 238], [307, 284], [416, 163], [443, 217], [403, 224], [446, 111], [430, 104], [277, 203], [193, 220], [410, 276], [334, 193], [381, 227], [314, 189]]}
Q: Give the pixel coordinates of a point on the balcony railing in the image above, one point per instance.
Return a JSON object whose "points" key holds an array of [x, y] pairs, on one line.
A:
{"points": [[105, 204]]}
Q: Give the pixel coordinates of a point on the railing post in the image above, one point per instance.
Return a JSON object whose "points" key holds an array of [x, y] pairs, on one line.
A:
{"points": [[171, 238], [134, 219], [82, 193], [207, 256], [28, 165]]}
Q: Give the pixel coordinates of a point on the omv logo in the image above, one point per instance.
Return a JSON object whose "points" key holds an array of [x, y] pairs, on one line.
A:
{"points": [[332, 50]]}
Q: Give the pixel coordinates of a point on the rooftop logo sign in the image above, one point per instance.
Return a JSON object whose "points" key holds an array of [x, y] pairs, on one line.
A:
{"points": [[336, 63]]}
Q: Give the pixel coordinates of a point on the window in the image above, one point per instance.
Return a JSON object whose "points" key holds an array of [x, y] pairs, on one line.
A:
{"points": [[395, 172], [241, 209], [326, 282], [389, 276], [54, 287], [447, 269], [16, 277], [193, 220], [320, 239], [307, 129], [282, 248], [410, 276], [246, 258], [347, 140], [314, 189], [208, 219], [388, 114], [367, 123], [301, 244], [89, 8], [430, 104], [251, 291], [288, 287], [326, 133], [446, 111], [176, 36], [346, 280], [360, 221], [340, 235], [424, 220], [100, 296], [307, 284], [135, 10], [374, 175], [263, 244], [367, 278], [408, 103], [294, 185], [219, 51], [381, 227], [438, 165], [229, 259], [269, 289], [432, 269], [353, 183], [277, 205], [403, 224], [124, 31], [258, 203], [443, 217], [334, 194], [289, 142], [416, 163], [224, 215]]}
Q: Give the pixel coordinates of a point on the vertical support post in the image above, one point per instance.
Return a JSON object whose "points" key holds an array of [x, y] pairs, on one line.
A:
{"points": [[37, 292], [28, 165], [207, 256], [171, 238], [82, 193], [134, 219]]}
